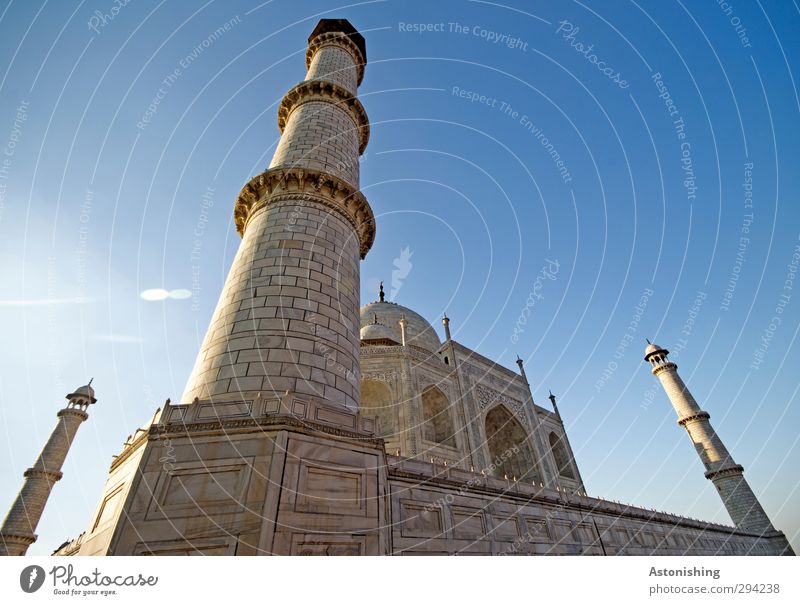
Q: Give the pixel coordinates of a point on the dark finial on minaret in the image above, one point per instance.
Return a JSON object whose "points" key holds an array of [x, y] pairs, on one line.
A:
{"points": [[522, 371], [381, 294], [648, 341], [90, 381], [552, 399]]}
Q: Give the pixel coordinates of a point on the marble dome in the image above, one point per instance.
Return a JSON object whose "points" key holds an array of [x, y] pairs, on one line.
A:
{"points": [[419, 332], [376, 331]]}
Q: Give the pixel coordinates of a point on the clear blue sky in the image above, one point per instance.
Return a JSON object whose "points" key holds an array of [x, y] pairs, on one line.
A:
{"points": [[97, 206]]}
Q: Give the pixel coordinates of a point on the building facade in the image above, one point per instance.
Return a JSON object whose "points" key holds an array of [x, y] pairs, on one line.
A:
{"points": [[310, 426]]}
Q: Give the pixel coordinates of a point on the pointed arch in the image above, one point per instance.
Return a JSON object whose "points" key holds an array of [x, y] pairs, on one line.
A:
{"points": [[437, 417], [561, 456], [376, 400], [509, 447]]}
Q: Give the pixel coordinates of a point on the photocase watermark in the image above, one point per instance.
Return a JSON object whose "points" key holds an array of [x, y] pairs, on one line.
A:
{"points": [[626, 340], [548, 271], [402, 268], [777, 314], [206, 203], [66, 582], [31, 578], [569, 33], [53, 353], [687, 164], [736, 23], [84, 216], [507, 110], [10, 149], [183, 64], [688, 325], [744, 240], [464, 488], [453, 27], [100, 19]]}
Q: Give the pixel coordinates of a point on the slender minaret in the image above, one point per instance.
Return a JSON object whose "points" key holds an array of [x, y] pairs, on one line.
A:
{"points": [[446, 324], [287, 321], [727, 476], [19, 527]]}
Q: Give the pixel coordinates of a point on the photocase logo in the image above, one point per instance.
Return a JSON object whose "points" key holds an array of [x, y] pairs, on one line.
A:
{"points": [[402, 268], [31, 578]]}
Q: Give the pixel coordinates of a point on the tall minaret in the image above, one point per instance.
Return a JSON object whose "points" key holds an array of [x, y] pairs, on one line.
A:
{"points": [[19, 527], [727, 476], [288, 318]]}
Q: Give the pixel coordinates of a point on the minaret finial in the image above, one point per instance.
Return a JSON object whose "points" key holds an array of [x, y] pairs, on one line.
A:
{"points": [[90, 381], [648, 341], [380, 293]]}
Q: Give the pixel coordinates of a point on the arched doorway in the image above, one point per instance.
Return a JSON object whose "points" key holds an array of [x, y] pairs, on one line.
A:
{"points": [[376, 400], [437, 420], [509, 448]]}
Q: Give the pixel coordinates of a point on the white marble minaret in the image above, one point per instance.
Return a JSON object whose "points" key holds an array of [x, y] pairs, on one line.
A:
{"points": [[19, 527], [267, 437], [288, 316], [744, 508]]}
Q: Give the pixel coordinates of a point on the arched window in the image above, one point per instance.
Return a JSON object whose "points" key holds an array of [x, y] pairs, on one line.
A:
{"points": [[376, 400], [437, 420], [509, 448], [562, 457]]}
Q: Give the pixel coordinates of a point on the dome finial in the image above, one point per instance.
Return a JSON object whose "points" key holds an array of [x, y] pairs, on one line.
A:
{"points": [[380, 293], [648, 341]]}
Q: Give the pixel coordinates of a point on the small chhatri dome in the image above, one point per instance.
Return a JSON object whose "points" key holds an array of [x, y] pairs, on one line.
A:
{"points": [[419, 332], [377, 333], [653, 348], [86, 392]]}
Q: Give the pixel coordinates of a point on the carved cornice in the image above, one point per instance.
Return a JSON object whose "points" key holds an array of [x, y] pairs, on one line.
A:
{"points": [[18, 538], [73, 412], [698, 416], [51, 476], [412, 351], [307, 184], [664, 367], [736, 469], [273, 421], [327, 92], [339, 40]]}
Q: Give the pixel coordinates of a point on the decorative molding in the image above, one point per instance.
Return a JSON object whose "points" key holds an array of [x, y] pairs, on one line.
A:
{"points": [[306, 184], [413, 351], [327, 92], [487, 397], [51, 476], [274, 421], [340, 40], [73, 412], [664, 367], [736, 469], [698, 416]]}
